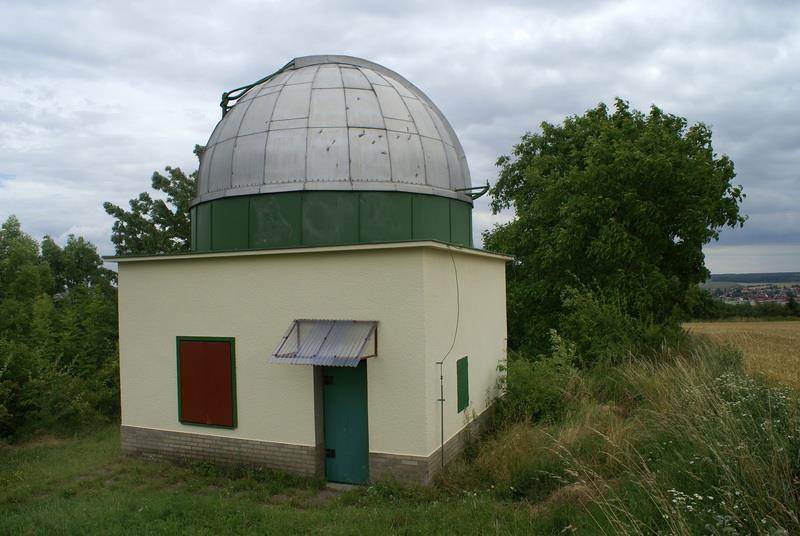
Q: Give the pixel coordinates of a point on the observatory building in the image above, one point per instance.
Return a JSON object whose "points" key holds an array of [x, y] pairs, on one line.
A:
{"points": [[332, 317]]}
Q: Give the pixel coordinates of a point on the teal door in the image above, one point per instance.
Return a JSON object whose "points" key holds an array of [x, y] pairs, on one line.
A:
{"points": [[345, 420]]}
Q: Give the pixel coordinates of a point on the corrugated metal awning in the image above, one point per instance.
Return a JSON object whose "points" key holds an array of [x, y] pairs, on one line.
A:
{"points": [[332, 343]]}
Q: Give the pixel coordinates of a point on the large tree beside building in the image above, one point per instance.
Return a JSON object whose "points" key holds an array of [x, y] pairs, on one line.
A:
{"points": [[160, 224], [612, 209]]}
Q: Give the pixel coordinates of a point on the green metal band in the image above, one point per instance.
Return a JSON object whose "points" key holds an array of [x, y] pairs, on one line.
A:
{"points": [[306, 218]]}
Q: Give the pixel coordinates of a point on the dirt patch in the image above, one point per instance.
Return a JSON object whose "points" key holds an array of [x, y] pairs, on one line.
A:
{"points": [[40, 441], [279, 498], [326, 494]]}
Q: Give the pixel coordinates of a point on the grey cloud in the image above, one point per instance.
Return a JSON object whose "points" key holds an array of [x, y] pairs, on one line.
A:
{"points": [[97, 95]]}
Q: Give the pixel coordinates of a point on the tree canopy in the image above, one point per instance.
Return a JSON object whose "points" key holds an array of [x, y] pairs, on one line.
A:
{"points": [[58, 311], [58, 334], [610, 206], [156, 225]]}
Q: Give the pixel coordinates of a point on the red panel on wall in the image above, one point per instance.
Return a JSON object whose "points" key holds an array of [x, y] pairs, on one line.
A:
{"points": [[206, 382]]}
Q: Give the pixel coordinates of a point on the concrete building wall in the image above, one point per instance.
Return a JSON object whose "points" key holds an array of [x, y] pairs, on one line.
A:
{"points": [[254, 299], [254, 296], [476, 307]]}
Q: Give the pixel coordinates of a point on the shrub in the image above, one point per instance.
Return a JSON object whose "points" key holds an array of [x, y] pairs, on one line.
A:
{"points": [[537, 389], [58, 331], [598, 327], [680, 443], [38, 393], [604, 332]]}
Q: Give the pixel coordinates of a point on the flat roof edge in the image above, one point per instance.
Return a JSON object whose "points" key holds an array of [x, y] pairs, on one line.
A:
{"points": [[433, 244]]}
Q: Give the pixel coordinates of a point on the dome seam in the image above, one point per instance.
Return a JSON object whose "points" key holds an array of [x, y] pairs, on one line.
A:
{"points": [[266, 138], [236, 140], [383, 120]]}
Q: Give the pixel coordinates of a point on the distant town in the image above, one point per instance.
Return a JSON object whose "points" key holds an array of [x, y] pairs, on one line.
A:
{"points": [[755, 289]]}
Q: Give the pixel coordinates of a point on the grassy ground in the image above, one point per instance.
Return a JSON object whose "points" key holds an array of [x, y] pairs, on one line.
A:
{"points": [[769, 348], [682, 444], [81, 486]]}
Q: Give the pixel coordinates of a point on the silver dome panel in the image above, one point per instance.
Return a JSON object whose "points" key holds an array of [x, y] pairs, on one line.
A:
{"points": [[335, 123]]}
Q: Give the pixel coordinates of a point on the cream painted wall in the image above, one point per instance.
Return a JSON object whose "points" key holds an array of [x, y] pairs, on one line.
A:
{"points": [[481, 333], [253, 296], [254, 299]]}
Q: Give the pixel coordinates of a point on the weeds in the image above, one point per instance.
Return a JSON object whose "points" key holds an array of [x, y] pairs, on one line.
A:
{"points": [[682, 443]]}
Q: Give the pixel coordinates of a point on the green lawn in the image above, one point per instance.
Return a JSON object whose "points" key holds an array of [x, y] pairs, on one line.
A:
{"points": [[680, 444], [82, 485]]}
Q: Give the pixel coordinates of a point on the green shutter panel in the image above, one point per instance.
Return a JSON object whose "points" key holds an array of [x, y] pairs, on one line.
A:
{"points": [[203, 233], [229, 221], [462, 377]]}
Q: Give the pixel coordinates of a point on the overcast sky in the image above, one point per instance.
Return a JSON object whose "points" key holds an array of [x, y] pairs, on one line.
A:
{"points": [[95, 96]]}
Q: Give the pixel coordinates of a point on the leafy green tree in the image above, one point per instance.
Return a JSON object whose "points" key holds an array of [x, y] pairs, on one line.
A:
{"points": [[77, 264], [154, 225], [53, 255], [22, 277], [83, 266], [613, 204], [58, 332], [43, 323], [700, 305]]}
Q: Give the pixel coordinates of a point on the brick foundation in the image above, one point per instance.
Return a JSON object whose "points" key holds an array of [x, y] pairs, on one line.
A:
{"points": [[422, 469], [295, 459], [181, 446], [403, 468]]}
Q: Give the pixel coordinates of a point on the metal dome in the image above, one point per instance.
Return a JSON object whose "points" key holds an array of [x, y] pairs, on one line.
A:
{"points": [[333, 123]]}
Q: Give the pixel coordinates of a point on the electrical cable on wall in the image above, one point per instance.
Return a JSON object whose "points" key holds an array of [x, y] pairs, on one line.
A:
{"points": [[446, 355]]}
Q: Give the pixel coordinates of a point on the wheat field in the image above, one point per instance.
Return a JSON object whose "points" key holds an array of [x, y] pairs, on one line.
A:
{"points": [[771, 349]]}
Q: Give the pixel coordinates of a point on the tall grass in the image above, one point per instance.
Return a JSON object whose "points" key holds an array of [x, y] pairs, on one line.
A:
{"points": [[681, 444], [714, 451]]}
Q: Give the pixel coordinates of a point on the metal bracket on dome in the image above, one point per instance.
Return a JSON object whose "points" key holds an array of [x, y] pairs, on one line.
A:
{"points": [[236, 94], [476, 191]]}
